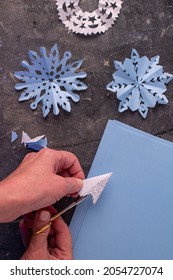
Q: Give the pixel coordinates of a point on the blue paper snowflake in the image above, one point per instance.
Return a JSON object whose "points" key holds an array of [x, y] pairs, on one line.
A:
{"points": [[50, 80], [140, 83]]}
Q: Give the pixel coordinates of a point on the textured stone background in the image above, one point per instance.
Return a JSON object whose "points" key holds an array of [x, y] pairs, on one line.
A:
{"points": [[30, 24]]}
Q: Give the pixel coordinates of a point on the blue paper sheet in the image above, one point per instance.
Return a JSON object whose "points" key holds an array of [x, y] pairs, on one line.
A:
{"points": [[133, 219]]}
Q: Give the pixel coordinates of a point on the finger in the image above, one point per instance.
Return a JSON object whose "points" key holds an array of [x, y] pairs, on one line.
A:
{"points": [[28, 216], [74, 195], [25, 234], [66, 173], [51, 210], [65, 186], [39, 241], [62, 240], [29, 220], [51, 242], [28, 224], [63, 160], [70, 163]]}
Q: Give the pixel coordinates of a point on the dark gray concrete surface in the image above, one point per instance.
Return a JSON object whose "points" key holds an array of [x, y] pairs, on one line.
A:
{"points": [[30, 24]]}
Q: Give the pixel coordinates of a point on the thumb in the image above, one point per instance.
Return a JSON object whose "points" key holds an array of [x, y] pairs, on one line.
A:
{"points": [[68, 185], [39, 241]]}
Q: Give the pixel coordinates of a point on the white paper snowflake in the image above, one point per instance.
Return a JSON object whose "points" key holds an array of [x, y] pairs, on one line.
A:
{"points": [[88, 23], [140, 83], [50, 80]]}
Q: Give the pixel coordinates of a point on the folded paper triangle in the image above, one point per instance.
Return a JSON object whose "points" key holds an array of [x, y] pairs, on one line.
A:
{"points": [[94, 186]]}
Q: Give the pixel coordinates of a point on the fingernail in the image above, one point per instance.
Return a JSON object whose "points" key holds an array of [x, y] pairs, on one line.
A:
{"points": [[44, 216]]}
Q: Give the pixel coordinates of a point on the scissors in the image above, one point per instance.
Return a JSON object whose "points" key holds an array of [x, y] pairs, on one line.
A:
{"points": [[79, 200]]}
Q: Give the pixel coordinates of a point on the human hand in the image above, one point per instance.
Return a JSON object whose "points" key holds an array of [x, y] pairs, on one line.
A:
{"points": [[53, 243], [41, 179]]}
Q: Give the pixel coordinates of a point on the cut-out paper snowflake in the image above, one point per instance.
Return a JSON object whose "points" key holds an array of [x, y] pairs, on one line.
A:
{"points": [[140, 83], [50, 80], [88, 23]]}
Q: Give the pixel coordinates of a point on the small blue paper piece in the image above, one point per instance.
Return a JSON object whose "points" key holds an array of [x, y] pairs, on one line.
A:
{"points": [[14, 136], [37, 143], [50, 80], [140, 83]]}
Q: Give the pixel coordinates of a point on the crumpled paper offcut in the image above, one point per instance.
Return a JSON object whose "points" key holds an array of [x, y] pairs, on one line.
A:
{"points": [[25, 137], [88, 23], [36, 143], [94, 186], [50, 80], [140, 83]]}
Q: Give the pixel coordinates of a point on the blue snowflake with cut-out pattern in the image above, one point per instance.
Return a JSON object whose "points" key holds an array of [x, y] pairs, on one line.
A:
{"points": [[50, 80], [140, 83]]}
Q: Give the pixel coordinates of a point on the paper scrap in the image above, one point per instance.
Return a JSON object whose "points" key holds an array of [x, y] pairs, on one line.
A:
{"points": [[140, 83], [50, 80], [94, 186], [25, 137], [87, 23], [36, 143], [14, 136]]}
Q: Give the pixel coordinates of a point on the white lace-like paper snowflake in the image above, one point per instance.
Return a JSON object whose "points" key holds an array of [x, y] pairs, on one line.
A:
{"points": [[50, 80], [85, 22], [140, 83]]}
